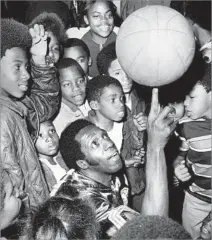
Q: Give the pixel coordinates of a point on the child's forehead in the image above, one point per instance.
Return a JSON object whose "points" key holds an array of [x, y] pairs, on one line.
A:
{"points": [[16, 54], [70, 71], [79, 50], [46, 125], [112, 88], [99, 6]]}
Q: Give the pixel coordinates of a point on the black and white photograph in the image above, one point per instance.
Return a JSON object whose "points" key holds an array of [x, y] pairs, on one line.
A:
{"points": [[105, 121]]}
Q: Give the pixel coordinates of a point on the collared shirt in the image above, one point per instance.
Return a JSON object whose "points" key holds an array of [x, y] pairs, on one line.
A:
{"points": [[67, 116]]}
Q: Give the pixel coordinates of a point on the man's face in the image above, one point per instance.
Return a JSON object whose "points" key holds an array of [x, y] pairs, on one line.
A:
{"points": [[14, 72], [77, 53], [47, 143], [101, 153], [115, 70], [100, 19], [111, 104], [73, 85], [198, 102]]}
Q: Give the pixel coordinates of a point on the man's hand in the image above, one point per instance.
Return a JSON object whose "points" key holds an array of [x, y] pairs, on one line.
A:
{"points": [[160, 123], [39, 44], [181, 172], [140, 121]]}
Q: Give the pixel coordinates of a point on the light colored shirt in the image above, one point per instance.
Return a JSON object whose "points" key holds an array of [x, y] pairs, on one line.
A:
{"points": [[67, 116], [116, 135], [56, 169]]}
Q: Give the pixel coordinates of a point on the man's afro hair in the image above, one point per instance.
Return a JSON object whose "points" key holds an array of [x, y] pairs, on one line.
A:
{"points": [[70, 149], [151, 227], [52, 23], [14, 34]]}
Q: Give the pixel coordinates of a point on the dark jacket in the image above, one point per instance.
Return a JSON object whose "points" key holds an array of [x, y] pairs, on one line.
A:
{"points": [[19, 160]]}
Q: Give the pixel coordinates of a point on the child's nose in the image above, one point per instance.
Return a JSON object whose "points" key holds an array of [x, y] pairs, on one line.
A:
{"points": [[26, 75]]}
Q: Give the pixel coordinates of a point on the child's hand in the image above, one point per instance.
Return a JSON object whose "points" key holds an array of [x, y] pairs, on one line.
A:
{"points": [[136, 160], [39, 44], [140, 121], [181, 172]]}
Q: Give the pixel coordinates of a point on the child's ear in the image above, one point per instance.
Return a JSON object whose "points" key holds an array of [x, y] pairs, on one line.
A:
{"points": [[86, 20], [90, 61], [82, 164], [94, 105]]}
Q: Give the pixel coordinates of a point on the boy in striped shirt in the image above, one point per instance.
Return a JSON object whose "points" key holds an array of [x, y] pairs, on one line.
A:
{"points": [[193, 167]]}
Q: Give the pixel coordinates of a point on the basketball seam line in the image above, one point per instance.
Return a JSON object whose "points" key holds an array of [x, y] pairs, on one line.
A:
{"points": [[129, 34]]}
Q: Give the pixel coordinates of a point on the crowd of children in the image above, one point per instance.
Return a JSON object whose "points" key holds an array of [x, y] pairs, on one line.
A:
{"points": [[76, 133]]}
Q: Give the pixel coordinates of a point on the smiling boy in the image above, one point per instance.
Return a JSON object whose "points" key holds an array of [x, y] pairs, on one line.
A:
{"points": [[21, 112]]}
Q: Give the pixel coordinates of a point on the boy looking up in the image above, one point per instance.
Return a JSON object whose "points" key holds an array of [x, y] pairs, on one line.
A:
{"points": [[193, 165], [73, 84], [20, 112]]}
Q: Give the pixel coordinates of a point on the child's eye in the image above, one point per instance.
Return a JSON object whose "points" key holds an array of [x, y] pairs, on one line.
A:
{"points": [[66, 85], [117, 73], [109, 15], [105, 136], [96, 16], [122, 98], [52, 131], [56, 49], [80, 81], [112, 100], [81, 60], [40, 135], [17, 67]]}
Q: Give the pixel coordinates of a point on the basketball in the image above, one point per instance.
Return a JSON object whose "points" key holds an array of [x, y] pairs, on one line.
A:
{"points": [[155, 45]]}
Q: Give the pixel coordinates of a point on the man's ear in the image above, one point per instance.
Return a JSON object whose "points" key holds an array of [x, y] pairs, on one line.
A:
{"points": [[94, 105], [90, 61], [82, 164], [86, 20]]}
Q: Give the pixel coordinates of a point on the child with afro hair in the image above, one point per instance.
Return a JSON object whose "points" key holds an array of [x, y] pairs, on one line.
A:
{"points": [[22, 111], [56, 33]]}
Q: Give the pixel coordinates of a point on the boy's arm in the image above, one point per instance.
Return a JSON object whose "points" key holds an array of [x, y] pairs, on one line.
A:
{"points": [[44, 95]]}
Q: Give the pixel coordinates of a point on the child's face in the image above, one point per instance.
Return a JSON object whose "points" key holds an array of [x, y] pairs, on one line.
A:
{"points": [[77, 53], [116, 71], [54, 47], [14, 72], [198, 102], [100, 19], [47, 143], [12, 205], [73, 85], [111, 104]]}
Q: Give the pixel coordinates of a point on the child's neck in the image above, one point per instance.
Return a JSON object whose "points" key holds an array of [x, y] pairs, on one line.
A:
{"points": [[73, 107], [97, 39], [50, 159], [103, 122]]}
